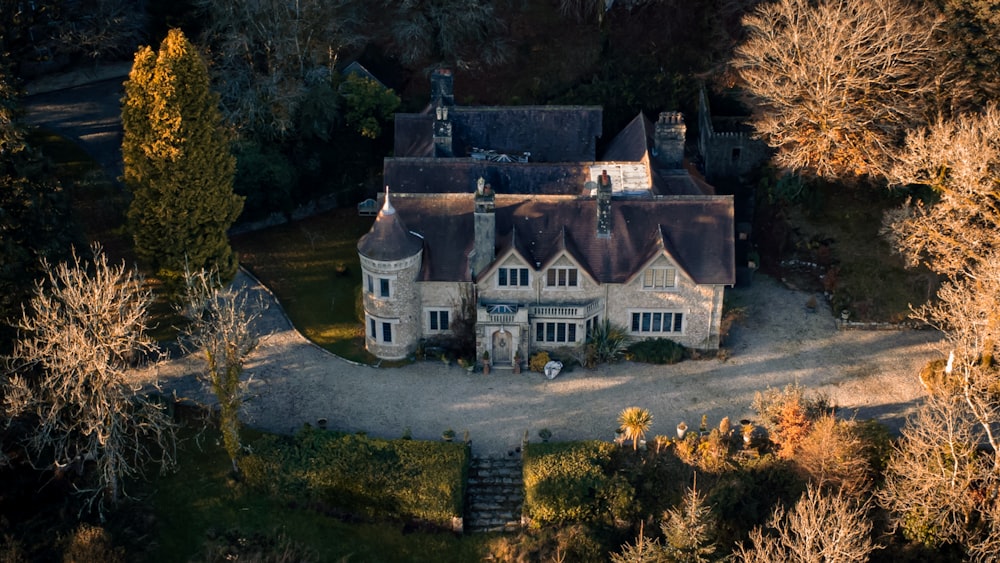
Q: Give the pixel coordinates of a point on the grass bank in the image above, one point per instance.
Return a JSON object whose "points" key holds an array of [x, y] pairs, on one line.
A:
{"points": [[312, 267]]}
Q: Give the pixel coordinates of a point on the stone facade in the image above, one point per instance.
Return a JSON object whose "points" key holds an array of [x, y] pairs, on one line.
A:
{"points": [[400, 309], [728, 154]]}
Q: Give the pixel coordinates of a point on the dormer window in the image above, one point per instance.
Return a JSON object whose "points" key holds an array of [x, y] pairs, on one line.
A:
{"points": [[512, 277], [562, 277], [659, 278]]}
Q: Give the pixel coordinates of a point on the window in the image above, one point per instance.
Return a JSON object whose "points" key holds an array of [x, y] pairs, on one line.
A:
{"points": [[383, 335], [438, 320], [657, 322], [592, 324], [736, 154], [555, 332], [513, 277], [371, 285], [562, 277], [383, 287], [659, 278]]}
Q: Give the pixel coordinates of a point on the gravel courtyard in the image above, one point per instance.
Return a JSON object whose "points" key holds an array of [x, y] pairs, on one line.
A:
{"points": [[867, 374]]}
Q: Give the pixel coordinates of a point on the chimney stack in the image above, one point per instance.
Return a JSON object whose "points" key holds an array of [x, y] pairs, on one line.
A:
{"points": [[442, 132], [442, 88], [604, 205], [485, 225], [668, 140]]}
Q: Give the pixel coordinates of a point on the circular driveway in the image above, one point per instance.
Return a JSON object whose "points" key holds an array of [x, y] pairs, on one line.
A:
{"points": [[866, 374]]}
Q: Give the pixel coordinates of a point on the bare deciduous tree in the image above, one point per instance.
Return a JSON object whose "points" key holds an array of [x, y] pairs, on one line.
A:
{"points": [[934, 482], [72, 366], [942, 481], [820, 528], [835, 84], [960, 161], [100, 28], [222, 330]]}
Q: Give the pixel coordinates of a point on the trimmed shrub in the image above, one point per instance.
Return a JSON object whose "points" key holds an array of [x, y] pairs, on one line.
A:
{"points": [[370, 477], [570, 482], [538, 361], [656, 351]]}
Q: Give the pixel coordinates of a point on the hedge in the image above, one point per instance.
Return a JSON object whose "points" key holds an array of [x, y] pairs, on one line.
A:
{"points": [[572, 482], [370, 477]]}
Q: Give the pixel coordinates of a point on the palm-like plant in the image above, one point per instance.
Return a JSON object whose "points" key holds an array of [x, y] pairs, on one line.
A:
{"points": [[635, 421]]}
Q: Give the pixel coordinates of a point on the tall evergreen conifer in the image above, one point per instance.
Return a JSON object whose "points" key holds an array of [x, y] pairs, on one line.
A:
{"points": [[178, 163]]}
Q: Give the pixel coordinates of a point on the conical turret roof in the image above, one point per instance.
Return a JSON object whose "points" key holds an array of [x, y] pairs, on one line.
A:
{"points": [[389, 238]]}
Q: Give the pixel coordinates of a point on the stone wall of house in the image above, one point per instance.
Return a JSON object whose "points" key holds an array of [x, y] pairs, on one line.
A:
{"points": [[442, 296], [700, 304], [726, 154], [401, 309]]}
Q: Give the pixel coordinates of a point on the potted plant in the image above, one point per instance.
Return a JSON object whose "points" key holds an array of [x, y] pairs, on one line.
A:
{"points": [[682, 429], [517, 361], [545, 434], [448, 435], [748, 429], [486, 362]]}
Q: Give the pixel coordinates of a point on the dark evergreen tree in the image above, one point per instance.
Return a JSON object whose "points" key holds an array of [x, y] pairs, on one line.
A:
{"points": [[178, 163], [34, 211]]}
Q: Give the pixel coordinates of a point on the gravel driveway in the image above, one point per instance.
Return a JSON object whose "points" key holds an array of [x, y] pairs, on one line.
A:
{"points": [[867, 374]]}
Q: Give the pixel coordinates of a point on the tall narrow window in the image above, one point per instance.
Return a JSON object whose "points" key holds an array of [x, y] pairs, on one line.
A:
{"points": [[371, 285], [371, 328], [387, 332], [383, 287], [438, 320]]}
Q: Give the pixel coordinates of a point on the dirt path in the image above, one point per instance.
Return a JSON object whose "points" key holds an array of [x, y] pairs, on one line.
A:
{"points": [[866, 374]]}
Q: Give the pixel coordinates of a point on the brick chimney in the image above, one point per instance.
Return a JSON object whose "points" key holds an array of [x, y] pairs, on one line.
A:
{"points": [[668, 140], [442, 132], [442, 88], [604, 205], [485, 222]]}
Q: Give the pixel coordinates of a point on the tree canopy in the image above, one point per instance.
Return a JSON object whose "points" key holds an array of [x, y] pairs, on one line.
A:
{"points": [[178, 163], [834, 85]]}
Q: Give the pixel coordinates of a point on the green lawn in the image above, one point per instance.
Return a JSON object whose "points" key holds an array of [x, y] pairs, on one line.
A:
{"points": [[201, 501], [299, 262], [840, 232]]}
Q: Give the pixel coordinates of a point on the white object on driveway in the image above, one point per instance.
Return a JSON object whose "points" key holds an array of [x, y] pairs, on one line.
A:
{"points": [[552, 369]]}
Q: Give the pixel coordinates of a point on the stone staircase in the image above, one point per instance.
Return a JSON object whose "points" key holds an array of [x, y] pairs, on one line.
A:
{"points": [[494, 494]]}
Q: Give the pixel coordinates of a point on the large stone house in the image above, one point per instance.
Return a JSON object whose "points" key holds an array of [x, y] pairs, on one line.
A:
{"points": [[505, 217]]}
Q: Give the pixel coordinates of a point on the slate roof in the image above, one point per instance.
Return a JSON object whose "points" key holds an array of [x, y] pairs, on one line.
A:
{"points": [[549, 133], [632, 143], [459, 175], [414, 135], [389, 238], [696, 231]]}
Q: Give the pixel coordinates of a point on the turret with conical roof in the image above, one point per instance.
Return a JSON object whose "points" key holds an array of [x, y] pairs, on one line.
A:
{"points": [[391, 257]]}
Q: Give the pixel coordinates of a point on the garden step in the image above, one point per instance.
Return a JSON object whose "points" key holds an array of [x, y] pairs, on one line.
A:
{"points": [[494, 495]]}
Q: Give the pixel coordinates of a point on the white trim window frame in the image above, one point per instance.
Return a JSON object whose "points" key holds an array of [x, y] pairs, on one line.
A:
{"points": [[380, 286], [510, 277], [380, 330], [562, 277], [659, 278], [653, 322], [556, 332], [438, 320]]}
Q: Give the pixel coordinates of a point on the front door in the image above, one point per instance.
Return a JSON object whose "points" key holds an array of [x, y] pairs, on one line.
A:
{"points": [[502, 345]]}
